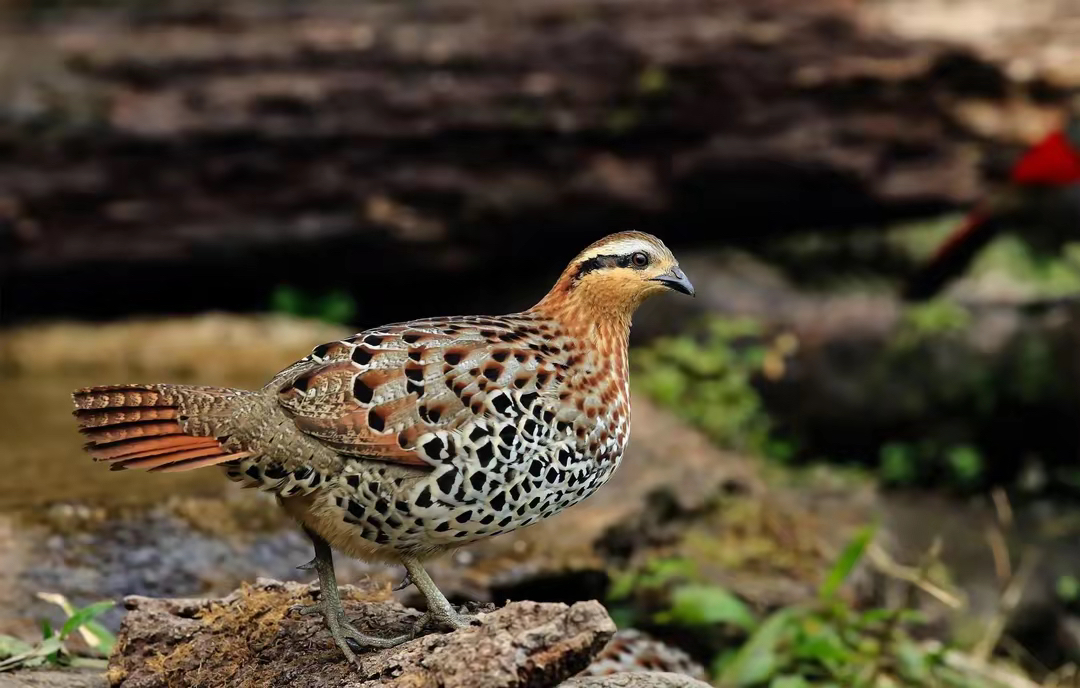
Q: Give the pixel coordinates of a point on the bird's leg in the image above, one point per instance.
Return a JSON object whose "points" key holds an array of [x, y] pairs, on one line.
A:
{"points": [[347, 638], [439, 608]]}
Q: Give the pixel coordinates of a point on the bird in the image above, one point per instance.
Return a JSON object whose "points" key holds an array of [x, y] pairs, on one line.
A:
{"points": [[406, 441], [1041, 198], [632, 651]]}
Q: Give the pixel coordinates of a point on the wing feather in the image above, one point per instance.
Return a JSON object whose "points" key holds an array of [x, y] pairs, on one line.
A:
{"points": [[374, 394]]}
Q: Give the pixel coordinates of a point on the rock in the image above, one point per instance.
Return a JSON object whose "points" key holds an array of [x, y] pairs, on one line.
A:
{"points": [[252, 638], [657, 679], [50, 678]]}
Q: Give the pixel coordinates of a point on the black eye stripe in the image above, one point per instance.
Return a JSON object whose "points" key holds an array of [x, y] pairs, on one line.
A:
{"points": [[636, 260], [611, 261]]}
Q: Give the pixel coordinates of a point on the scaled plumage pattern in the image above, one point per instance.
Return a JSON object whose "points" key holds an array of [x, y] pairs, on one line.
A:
{"points": [[632, 651], [404, 441]]}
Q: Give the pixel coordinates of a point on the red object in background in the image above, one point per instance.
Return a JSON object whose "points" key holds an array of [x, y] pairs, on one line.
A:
{"points": [[1053, 163]]}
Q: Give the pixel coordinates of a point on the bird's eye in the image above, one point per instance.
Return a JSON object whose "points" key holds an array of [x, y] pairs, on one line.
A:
{"points": [[640, 259]]}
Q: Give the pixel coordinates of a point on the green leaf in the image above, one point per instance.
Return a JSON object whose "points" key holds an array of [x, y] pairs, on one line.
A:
{"points": [[825, 646], [36, 656], [51, 649], [11, 646], [758, 659], [873, 616], [965, 463], [660, 572], [83, 615], [622, 584], [1068, 588], [843, 567], [898, 464], [623, 617], [337, 307], [707, 604], [789, 682], [286, 299], [105, 638], [913, 663]]}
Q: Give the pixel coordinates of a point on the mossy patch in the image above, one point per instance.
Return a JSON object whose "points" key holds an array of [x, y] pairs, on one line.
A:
{"points": [[222, 639]]}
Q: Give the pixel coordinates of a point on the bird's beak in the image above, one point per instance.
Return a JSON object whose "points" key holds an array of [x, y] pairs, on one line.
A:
{"points": [[675, 279]]}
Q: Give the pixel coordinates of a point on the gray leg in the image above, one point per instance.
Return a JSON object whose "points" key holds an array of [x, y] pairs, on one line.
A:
{"points": [[439, 608], [329, 605]]}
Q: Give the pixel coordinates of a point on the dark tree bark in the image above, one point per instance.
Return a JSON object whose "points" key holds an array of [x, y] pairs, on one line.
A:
{"points": [[193, 155]]}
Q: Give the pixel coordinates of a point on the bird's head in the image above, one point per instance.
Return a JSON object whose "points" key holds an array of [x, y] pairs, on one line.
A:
{"points": [[614, 275]]}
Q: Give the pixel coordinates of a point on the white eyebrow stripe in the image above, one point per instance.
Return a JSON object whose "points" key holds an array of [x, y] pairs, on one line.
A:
{"points": [[620, 248]]}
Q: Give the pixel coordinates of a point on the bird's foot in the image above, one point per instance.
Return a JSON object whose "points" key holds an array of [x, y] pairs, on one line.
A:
{"points": [[454, 620], [345, 635]]}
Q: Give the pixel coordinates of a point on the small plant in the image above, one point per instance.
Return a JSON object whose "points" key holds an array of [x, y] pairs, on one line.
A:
{"points": [[709, 382], [905, 464], [336, 307], [53, 649], [922, 322], [824, 642], [1068, 589]]}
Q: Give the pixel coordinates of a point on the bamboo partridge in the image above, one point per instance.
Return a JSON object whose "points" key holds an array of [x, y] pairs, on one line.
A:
{"points": [[405, 441]]}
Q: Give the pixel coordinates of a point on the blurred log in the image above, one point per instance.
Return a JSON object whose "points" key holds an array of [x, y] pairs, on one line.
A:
{"points": [[181, 156]]}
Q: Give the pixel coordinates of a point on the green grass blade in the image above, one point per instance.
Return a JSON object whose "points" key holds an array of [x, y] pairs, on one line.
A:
{"points": [[81, 616], [849, 558]]}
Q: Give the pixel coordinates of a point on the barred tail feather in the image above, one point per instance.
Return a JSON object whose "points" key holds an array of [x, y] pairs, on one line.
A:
{"points": [[146, 426]]}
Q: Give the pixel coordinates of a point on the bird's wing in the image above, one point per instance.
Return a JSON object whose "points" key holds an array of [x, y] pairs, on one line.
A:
{"points": [[385, 393]]}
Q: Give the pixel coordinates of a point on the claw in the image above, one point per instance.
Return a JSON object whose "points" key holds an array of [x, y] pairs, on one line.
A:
{"points": [[458, 621], [454, 620], [405, 582], [310, 566], [420, 625], [307, 610]]}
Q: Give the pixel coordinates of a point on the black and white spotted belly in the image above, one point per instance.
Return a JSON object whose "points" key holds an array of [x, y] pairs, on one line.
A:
{"points": [[491, 476]]}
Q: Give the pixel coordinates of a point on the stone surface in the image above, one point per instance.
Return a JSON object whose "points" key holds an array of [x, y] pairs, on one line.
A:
{"points": [[252, 638], [48, 678]]}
